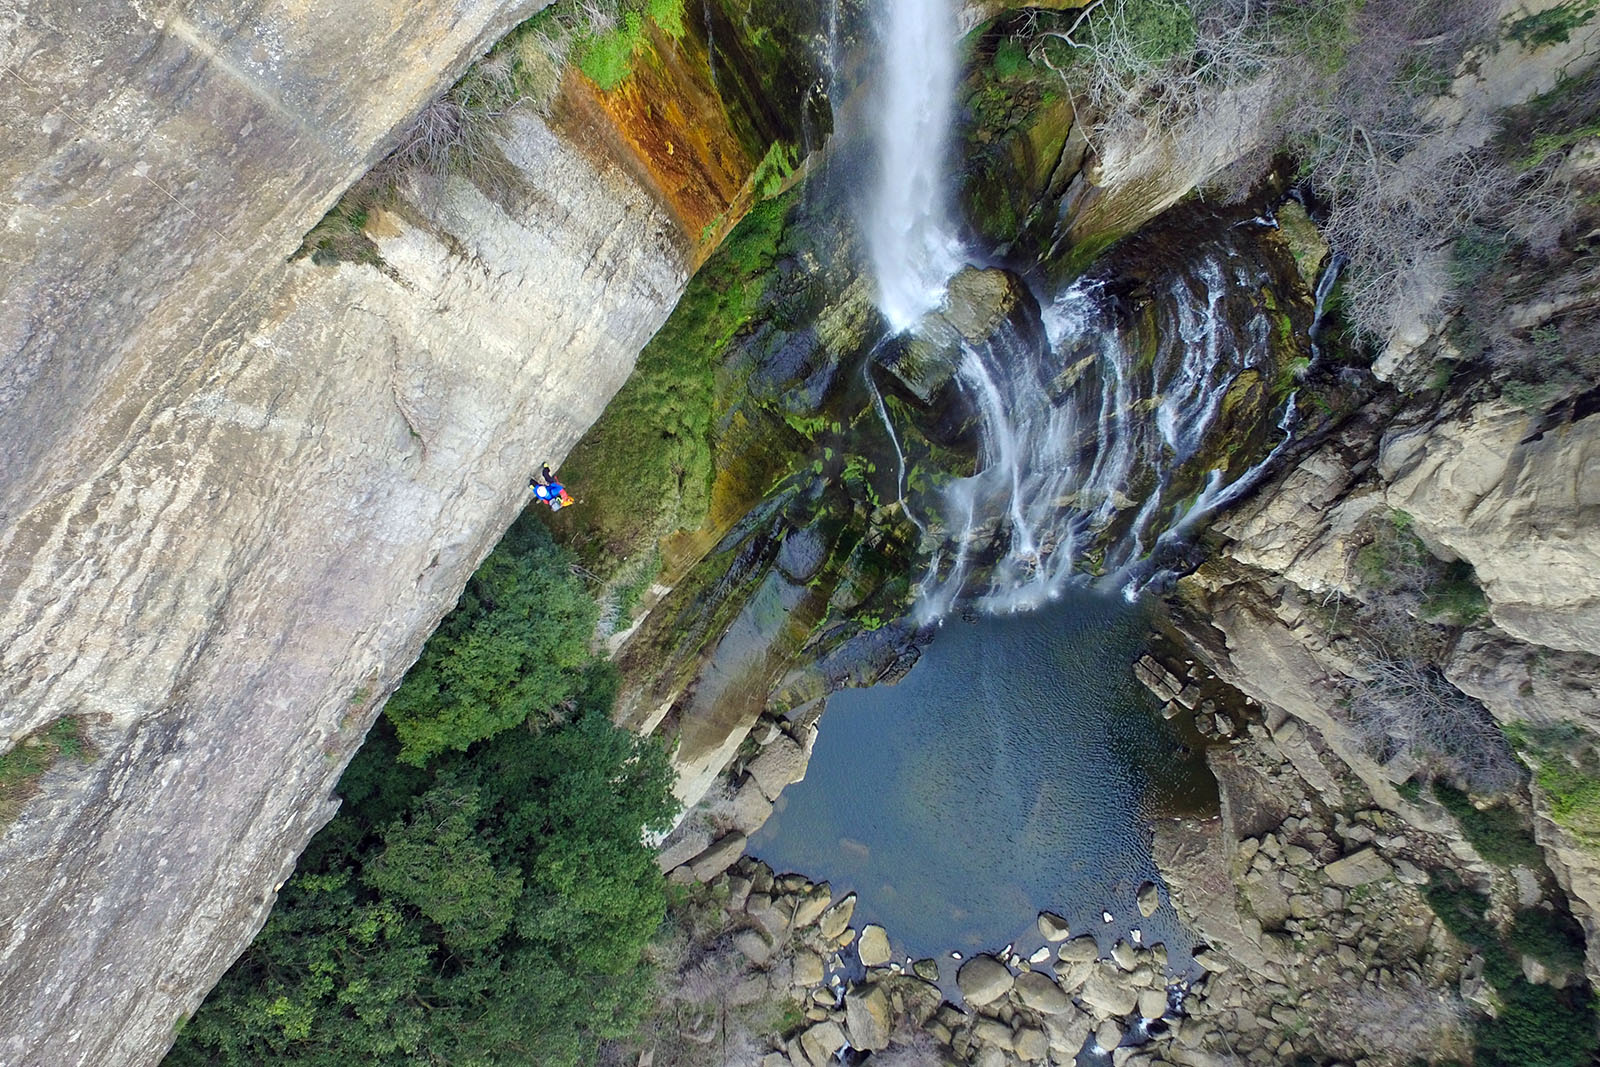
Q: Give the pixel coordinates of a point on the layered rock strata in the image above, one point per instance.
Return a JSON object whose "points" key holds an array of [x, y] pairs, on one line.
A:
{"points": [[1509, 493], [240, 491]]}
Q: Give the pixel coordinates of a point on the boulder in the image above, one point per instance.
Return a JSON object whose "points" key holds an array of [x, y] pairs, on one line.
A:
{"points": [[678, 850], [812, 905], [1079, 950], [1108, 1035], [1067, 1033], [1040, 993], [1306, 243], [751, 808], [1108, 995], [752, 946], [1053, 927], [771, 915], [833, 921], [874, 946], [1209, 961], [1071, 976], [867, 1018], [989, 1056], [1149, 899], [977, 301], [808, 969], [779, 764], [821, 1041], [927, 970], [992, 1032], [1153, 1003], [1125, 955], [1358, 868], [983, 980], [719, 857], [1030, 1045]]}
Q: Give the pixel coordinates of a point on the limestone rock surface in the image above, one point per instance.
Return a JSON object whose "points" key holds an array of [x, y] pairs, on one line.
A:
{"points": [[1521, 503], [238, 491]]}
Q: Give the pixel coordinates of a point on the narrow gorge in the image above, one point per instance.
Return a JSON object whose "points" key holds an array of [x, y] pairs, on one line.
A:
{"points": [[1086, 542]]}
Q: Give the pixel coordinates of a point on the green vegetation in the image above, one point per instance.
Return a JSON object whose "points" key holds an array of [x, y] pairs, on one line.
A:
{"points": [[1550, 937], [1453, 597], [1536, 1026], [1498, 832], [1474, 254], [774, 169], [1553, 25], [516, 644], [29, 759], [1010, 58], [1566, 760], [1396, 562], [1319, 32], [491, 909], [1158, 30], [1546, 145], [652, 448]]}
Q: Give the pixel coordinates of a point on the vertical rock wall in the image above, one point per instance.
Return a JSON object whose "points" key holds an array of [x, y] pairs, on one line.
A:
{"points": [[237, 493]]}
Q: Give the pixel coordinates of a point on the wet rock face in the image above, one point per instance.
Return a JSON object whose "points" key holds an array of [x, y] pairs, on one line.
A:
{"points": [[239, 492]]}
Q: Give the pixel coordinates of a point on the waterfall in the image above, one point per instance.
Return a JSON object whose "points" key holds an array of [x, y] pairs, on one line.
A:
{"points": [[1099, 427], [907, 226]]}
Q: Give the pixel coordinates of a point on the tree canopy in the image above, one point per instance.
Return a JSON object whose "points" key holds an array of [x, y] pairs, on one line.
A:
{"points": [[492, 907], [516, 644]]}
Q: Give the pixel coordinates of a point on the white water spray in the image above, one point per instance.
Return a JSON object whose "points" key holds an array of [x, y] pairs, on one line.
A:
{"points": [[908, 232], [1094, 433]]}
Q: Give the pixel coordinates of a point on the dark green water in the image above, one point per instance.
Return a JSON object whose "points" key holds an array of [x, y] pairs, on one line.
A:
{"points": [[1017, 768]]}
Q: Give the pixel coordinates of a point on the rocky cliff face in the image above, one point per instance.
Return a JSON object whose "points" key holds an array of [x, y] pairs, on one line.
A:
{"points": [[240, 491], [1496, 488]]}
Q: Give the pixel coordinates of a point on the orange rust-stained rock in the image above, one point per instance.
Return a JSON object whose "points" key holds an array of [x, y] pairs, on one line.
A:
{"points": [[669, 122]]}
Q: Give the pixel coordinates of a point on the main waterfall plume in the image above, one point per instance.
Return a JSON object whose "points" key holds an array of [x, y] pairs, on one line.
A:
{"points": [[913, 250]]}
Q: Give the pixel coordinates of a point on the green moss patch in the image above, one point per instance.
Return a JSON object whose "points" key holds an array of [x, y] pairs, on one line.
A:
{"points": [[644, 469], [1566, 761], [29, 759]]}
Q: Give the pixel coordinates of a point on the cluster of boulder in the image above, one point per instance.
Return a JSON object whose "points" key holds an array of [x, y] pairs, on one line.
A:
{"points": [[1070, 1003], [1312, 898], [1122, 1006], [1307, 894], [708, 842]]}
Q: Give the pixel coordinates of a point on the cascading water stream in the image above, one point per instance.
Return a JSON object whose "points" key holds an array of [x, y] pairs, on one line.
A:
{"points": [[908, 231], [894, 439], [1091, 432], [1098, 430]]}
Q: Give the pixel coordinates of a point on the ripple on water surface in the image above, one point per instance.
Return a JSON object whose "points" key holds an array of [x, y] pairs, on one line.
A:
{"points": [[1014, 770]]}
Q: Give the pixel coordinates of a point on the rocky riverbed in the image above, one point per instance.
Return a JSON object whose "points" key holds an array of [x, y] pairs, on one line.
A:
{"points": [[1308, 897]]}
